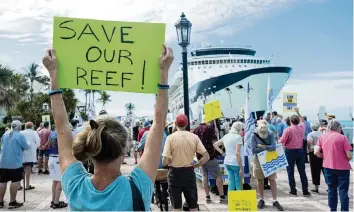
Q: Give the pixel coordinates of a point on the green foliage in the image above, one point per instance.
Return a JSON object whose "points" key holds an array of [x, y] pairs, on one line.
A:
{"points": [[104, 98]]}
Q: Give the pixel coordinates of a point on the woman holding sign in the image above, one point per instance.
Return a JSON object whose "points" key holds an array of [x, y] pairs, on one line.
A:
{"points": [[104, 141]]}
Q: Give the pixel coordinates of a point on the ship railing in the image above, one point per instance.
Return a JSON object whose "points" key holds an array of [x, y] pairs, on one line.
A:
{"points": [[208, 46]]}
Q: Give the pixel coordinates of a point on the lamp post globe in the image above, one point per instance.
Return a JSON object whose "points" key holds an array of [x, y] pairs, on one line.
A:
{"points": [[183, 29]]}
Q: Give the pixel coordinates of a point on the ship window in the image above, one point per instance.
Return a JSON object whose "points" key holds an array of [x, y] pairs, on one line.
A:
{"points": [[214, 62], [206, 62], [217, 62], [210, 62], [235, 61], [260, 61], [264, 61], [257, 61], [268, 61], [248, 61], [221, 61], [241, 61], [238, 61], [228, 61], [199, 63], [203, 62]]}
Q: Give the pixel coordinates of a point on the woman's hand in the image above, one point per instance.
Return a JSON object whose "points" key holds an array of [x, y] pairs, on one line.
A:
{"points": [[165, 61], [241, 173], [51, 64], [261, 146]]}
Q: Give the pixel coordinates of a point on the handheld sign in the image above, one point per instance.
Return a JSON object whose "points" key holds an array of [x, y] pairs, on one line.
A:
{"points": [[242, 200], [108, 55], [46, 118], [289, 102], [212, 111], [272, 161]]}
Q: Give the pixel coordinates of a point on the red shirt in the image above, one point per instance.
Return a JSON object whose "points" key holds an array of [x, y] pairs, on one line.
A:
{"points": [[44, 135], [293, 136], [141, 133]]}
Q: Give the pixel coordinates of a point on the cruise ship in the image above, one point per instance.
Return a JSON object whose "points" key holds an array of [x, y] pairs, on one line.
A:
{"points": [[223, 73]]}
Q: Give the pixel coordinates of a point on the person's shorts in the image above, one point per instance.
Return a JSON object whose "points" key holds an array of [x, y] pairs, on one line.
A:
{"points": [[54, 168], [212, 167], [183, 180], [257, 171], [44, 153], [30, 164], [13, 175]]}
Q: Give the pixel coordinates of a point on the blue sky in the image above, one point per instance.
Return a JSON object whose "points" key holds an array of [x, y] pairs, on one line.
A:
{"points": [[314, 37]]}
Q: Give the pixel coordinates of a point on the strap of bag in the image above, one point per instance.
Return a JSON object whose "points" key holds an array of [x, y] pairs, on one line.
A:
{"points": [[263, 141], [138, 203]]}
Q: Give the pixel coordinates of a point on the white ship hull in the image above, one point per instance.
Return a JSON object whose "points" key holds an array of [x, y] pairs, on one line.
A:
{"points": [[230, 90]]}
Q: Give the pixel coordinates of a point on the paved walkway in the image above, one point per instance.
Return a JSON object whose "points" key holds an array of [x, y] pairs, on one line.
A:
{"points": [[39, 198]]}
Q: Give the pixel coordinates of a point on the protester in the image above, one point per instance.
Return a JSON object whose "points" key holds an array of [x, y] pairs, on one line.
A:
{"points": [[280, 127], [74, 130], [55, 171], [264, 139], [226, 126], [141, 147], [315, 162], [178, 154], [29, 156], [233, 160], [206, 134], [335, 150], [40, 127], [135, 140], [43, 149], [12, 147], [104, 141], [292, 140], [323, 126], [307, 131]]}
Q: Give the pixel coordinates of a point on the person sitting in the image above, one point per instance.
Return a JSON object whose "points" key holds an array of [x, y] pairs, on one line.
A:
{"points": [[104, 141]]}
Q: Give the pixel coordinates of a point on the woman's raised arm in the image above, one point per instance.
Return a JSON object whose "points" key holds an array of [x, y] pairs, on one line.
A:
{"points": [[150, 159], [65, 138]]}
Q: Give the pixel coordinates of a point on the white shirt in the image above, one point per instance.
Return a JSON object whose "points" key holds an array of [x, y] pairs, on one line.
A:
{"points": [[226, 127], [32, 138], [230, 141]]}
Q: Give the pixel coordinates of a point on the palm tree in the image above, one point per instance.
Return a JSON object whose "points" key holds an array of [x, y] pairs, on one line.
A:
{"points": [[12, 87], [130, 107], [104, 98], [87, 93], [34, 75]]}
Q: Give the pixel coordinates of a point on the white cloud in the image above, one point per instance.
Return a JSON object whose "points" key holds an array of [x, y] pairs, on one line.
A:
{"points": [[320, 89], [16, 36], [206, 15]]}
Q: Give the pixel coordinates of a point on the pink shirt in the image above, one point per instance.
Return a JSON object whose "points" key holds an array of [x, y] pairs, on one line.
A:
{"points": [[44, 135], [293, 136], [334, 147]]}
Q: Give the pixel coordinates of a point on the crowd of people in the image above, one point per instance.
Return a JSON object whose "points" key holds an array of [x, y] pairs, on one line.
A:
{"points": [[85, 163]]}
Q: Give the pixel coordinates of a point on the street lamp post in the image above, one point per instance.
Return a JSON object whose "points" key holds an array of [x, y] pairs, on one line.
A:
{"points": [[183, 29]]}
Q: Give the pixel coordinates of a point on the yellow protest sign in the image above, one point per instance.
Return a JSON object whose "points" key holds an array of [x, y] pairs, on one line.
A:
{"points": [[289, 102], [242, 200], [212, 111], [46, 118], [108, 55]]}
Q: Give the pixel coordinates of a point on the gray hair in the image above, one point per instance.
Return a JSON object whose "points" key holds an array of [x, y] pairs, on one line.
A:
{"points": [[237, 127], [315, 126], [334, 125], [15, 126]]}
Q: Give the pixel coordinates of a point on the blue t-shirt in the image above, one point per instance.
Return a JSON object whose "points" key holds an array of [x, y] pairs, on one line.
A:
{"points": [[142, 146], [271, 127], [12, 147], [53, 143], [83, 196]]}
